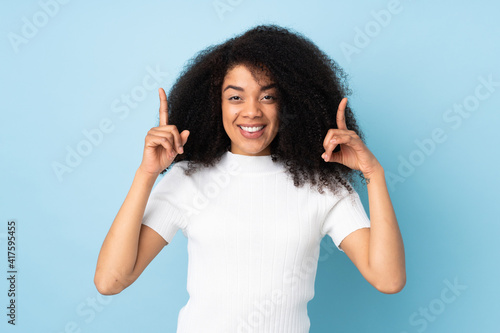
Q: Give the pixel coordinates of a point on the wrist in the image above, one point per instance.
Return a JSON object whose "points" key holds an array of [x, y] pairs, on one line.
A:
{"points": [[374, 172], [140, 172]]}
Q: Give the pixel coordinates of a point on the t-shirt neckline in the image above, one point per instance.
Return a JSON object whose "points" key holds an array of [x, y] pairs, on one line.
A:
{"points": [[249, 164]]}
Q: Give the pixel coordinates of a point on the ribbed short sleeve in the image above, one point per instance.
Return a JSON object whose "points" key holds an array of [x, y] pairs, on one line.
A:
{"points": [[163, 212], [347, 215]]}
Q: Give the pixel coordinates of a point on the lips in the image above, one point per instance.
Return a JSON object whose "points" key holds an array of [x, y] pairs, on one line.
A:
{"points": [[251, 129], [251, 135], [251, 125]]}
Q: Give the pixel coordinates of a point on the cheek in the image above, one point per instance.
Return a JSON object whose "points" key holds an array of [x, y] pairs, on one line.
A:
{"points": [[276, 120], [228, 116], [229, 111]]}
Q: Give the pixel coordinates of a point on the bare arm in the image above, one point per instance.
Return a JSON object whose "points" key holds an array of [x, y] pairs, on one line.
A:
{"points": [[118, 264], [130, 246], [378, 251]]}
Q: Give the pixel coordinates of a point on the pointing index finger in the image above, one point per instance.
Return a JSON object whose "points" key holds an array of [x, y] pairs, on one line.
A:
{"points": [[163, 107], [341, 114]]}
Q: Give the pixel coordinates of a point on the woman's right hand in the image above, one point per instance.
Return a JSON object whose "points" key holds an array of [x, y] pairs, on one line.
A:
{"points": [[162, 143]]}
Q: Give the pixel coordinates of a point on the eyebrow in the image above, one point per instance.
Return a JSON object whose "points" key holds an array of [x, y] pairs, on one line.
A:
{"points": [[269, 86]]}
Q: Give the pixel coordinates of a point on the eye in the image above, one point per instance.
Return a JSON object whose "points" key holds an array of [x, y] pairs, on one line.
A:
{"points": [[231, 98], [272, 97]]}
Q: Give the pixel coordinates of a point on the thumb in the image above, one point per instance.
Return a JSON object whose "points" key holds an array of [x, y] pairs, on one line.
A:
{"points": [[336, 157], [184, 136]]}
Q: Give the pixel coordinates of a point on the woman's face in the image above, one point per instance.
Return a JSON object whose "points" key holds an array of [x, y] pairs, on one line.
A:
{"points": [[249, 111]]}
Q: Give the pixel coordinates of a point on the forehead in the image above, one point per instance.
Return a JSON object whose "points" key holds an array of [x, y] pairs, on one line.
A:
{"points": [[243, 72]]}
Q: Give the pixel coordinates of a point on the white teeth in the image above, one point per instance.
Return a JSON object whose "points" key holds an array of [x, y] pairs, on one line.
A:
{"points": [[252, 129]]}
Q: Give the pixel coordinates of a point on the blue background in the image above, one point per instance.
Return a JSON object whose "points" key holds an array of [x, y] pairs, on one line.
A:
{"points": [[70, 72]]}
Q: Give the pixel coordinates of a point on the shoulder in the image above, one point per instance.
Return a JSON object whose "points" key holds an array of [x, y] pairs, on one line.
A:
{"points": [[174, 180], [184, 186], [174, 172], [332, 198], [342, 202]]}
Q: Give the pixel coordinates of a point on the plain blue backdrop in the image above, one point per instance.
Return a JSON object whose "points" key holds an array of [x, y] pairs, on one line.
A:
{"points": [[425, 78]]}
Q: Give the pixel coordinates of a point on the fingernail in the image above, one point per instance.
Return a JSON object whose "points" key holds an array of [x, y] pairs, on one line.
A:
{"points": [[333, 140], [181, 150]]}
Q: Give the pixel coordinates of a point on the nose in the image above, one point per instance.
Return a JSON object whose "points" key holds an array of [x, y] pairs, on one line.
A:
{"points": [[251, 109]]}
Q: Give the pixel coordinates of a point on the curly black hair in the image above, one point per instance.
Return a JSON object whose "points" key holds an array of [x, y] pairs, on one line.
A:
{"points": [[310, 87]]}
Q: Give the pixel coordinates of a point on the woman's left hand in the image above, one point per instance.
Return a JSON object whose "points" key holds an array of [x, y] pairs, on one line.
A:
{"points": [[353, 152]]}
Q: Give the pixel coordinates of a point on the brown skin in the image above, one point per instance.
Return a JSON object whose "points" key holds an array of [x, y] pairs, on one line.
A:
{"points": [[250, 105], [162, 143], [129, 246], [378, 251]]}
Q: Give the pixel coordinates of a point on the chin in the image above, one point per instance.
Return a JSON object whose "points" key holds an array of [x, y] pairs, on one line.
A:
{"points": [[251, 151]]}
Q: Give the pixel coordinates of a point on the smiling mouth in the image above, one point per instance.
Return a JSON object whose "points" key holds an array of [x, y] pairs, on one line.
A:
{"points": [[251, 129], [252, 132]]}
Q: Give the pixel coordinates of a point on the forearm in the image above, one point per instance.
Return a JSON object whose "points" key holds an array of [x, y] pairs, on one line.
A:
{"points": [[118, 253], [386, 250]]}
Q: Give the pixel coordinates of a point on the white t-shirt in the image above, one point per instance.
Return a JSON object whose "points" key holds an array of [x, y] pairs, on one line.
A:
{"points": [[253, 242]]}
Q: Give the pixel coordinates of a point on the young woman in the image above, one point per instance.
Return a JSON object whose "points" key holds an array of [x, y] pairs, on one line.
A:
{"points": [[248, 124]]}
